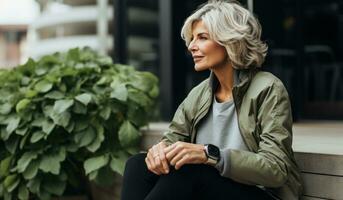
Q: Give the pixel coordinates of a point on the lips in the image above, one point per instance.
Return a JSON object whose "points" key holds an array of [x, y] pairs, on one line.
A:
{"points": [[197, 58]]}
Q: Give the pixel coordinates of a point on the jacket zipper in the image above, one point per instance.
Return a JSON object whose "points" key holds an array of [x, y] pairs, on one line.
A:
{"points": [[201, 114], [237, 112]]}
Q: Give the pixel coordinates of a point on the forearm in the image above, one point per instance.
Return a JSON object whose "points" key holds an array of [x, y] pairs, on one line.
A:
{"points": [[256, 169]]}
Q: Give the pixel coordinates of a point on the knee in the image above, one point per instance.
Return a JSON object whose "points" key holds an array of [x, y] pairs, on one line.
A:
{"points": [[135, 161]]}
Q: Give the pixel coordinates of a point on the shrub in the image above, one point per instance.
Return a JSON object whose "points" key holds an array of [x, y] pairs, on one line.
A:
{"points": [[68, 116]]}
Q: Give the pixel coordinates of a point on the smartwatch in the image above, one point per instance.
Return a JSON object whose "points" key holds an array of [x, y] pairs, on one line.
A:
{"points": [[212, 153]]}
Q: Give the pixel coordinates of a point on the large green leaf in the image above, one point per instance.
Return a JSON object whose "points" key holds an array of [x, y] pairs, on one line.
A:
{"points": [[128, 134], [95, 145], [43, 86], [2, 190], [55, 187], [22, 131], [41, 70], [31, 171], [11, 182], [13, 124], [154, 92], [95, 163], [4, 134], [143, 81], [81, 125], [73, 54], [70, 127], [5, 166], [61, 119], [105, 112], [62, 105], [38, 120], [31, 93], [36, 136], [12, 144], [23, 141], [23, 193], [79, 108], [25, 160], [139, 98], [92, 176], [34, 185], [5, 108], [137, 115], [55, 95], [25, 80], [52, 162], [85, 137], [119, 92], [84, 98], [118, 162], [48, 126]]}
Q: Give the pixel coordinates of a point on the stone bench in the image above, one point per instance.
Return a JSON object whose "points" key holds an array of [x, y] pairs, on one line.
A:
{"points": [[318, 149]]}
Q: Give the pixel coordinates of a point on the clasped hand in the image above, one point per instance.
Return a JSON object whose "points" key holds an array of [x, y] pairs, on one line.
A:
{"points": [[160, 157]]}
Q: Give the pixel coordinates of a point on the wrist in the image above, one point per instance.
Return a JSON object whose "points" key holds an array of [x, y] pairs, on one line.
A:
{"points": [[212, 153]]}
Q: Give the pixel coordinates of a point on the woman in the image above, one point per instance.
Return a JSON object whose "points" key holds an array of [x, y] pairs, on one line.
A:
{"points": [[231, 137]]}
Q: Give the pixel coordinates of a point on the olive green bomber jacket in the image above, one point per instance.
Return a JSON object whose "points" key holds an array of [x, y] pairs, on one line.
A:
{"points": [[265, 122]]}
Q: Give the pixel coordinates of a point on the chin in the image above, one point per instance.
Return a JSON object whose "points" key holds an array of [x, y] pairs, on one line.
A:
{"points": [[200, 68]]}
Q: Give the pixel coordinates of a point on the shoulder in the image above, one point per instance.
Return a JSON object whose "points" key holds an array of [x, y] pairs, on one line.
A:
{"points": [[197, 96], [266, 81], [200, 88]]}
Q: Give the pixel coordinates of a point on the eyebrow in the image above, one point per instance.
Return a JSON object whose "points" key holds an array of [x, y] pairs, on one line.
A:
{"points": [[202, 33]]}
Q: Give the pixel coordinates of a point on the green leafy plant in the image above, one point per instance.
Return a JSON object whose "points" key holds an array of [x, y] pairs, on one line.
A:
{"points": [[69, 117]]}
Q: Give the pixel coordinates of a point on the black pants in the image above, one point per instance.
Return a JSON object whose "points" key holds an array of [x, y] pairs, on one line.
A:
{"points": [[189, 182]]}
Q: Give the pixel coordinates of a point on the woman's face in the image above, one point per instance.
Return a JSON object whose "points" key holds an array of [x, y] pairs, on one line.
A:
{"points": [[207, 54]]}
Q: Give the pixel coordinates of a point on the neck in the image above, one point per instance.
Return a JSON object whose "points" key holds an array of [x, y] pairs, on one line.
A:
{"points": [[225, 76]]}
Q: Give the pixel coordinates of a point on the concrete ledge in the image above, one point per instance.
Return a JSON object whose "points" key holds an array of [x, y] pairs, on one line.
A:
{"points": [[323, 186], [318, 150], [320, 163], [311, 198], [152, 134]]}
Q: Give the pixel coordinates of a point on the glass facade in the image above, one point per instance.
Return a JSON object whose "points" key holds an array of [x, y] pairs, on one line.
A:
{"points": [[305, 46]]}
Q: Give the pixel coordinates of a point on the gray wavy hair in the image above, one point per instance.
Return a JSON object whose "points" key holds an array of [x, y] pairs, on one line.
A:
{"points": [[235, 28]]}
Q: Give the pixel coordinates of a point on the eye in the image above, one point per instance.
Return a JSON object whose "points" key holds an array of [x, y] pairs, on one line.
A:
{"points": [[202, 37]]}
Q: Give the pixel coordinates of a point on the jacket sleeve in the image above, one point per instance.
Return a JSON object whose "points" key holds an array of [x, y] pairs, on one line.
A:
{"points": [[179, 128], [269, 166]]}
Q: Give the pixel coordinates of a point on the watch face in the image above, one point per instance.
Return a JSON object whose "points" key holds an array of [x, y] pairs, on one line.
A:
{"points": [[213, 150]]}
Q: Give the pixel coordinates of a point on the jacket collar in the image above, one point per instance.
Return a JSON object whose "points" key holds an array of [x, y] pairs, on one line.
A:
{"points": [[242, 79]]}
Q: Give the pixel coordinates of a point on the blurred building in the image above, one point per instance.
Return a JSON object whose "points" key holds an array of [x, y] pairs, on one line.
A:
{"points": [[13, 29], [67, 24], [304, 37]]}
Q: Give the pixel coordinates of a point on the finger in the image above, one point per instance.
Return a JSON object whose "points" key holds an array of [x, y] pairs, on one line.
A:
{"points": [[155, 150], [184, 160], [153, 167], [163, 160], [157, 165], [174, 152], [149, 166], [178, 157], [169, 148], [147, 163], [156, 157], [150, 153]]}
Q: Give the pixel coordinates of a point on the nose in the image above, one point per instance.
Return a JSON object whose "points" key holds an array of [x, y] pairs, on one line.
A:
{"points": [[192, 46]]}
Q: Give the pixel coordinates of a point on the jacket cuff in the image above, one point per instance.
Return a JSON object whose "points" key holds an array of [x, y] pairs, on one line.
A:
{"points": [[223, 166]]}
